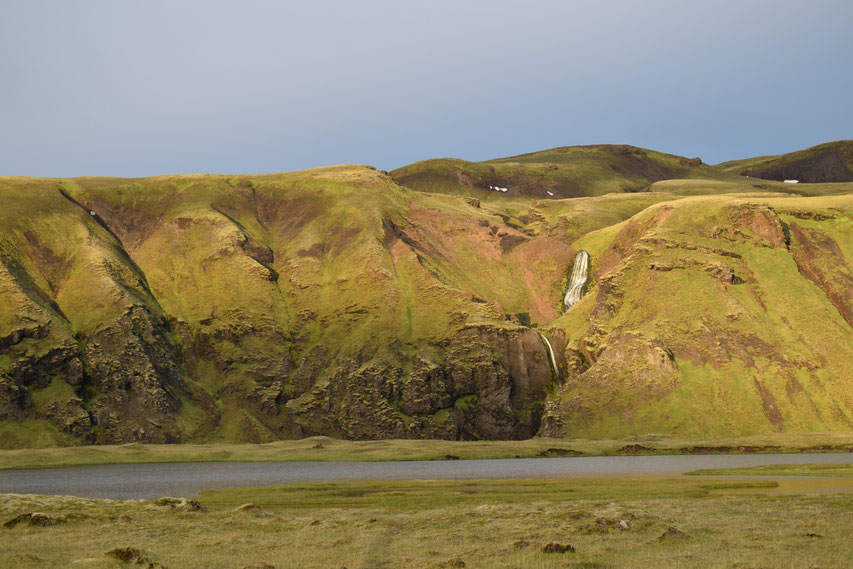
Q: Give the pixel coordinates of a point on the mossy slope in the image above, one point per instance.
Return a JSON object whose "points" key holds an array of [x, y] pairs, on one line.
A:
{"points": [[566, 172], [254, 308], [828, 162], [714, 315], [335, 301]]}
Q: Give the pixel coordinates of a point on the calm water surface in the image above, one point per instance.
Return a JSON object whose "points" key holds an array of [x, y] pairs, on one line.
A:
{"points": [[148, 481]]}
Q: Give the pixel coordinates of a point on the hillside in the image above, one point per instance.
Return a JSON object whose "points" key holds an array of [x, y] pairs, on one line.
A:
{"points": [[336, 301], [713, 315], [567, 172], [204, 308], [829, 162]]}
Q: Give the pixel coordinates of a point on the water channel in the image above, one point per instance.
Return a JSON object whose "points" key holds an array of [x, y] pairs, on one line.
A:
{"points": [[153, 480]]}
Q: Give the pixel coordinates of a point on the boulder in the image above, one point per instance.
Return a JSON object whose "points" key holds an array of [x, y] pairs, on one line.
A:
{"points": [[558, 548]]}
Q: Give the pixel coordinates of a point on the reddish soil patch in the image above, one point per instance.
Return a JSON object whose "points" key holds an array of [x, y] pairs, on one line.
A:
{"points": [[762, 221], [820, 259], [627, 238], [317, 251], [768, 403]]}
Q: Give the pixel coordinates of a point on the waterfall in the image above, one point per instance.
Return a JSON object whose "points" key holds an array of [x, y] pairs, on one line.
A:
{"points": [[579, 278], [553, 361]]}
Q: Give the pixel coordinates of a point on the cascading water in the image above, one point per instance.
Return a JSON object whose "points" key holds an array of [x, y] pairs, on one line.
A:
{"points": [[579, 278], [553, 360]]}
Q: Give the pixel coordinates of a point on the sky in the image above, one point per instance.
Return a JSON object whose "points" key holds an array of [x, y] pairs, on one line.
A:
{"points": [[139, 88]]}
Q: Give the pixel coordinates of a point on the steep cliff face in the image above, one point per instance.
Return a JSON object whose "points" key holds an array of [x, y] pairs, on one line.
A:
{"points": [[483, 382]]}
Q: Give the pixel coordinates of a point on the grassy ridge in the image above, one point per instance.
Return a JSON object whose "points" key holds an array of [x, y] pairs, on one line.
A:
{"points": [[744, 164], [828, 162], [572, 171], [328, 449], [833, 470]]}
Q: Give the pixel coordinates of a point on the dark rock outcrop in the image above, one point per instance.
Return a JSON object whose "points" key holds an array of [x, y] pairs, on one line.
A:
{"points": [[133, 366], [481, 383]]}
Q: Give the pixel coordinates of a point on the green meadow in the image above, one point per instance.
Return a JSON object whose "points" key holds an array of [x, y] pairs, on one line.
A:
{"points": [[329, 449]]}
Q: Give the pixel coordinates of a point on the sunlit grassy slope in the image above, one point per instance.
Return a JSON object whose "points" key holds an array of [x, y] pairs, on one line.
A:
{"points": [[572, 171], [252, 308], [711, 315], [335, 301]]}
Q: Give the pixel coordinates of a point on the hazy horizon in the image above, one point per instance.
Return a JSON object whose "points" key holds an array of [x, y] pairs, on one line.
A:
{"points": [[120, 89]]}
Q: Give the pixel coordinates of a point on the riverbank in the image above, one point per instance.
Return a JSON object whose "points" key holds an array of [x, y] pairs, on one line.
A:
{"points": [[610, 523], [328, 449]]}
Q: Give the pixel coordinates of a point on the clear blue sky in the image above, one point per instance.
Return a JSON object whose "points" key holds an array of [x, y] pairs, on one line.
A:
{"points": [[135, 88]]}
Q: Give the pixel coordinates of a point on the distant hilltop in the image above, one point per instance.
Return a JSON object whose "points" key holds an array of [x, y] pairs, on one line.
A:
{"points": [[578, 171]]}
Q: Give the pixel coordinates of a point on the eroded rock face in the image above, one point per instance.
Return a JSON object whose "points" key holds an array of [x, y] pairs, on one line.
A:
{"points": [[133, 366], [14, 399], [760, 220], [482, 383], [39, 356], [71, 417]]}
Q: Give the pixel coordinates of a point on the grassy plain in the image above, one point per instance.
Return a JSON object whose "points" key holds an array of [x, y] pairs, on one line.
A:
{"points": [[610, 523], [329, 449]]}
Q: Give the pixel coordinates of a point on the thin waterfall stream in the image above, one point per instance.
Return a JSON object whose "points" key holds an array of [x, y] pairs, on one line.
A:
{"points": [[578, 280], [553, 360]]}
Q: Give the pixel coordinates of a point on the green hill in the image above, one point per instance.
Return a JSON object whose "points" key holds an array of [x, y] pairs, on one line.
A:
{"points": [[252, 308], [829, 162], [337, 301], [567, 172], [713, 315]]}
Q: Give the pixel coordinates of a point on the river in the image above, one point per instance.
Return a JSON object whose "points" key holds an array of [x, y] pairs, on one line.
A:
{"points": [[153, 480]]}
